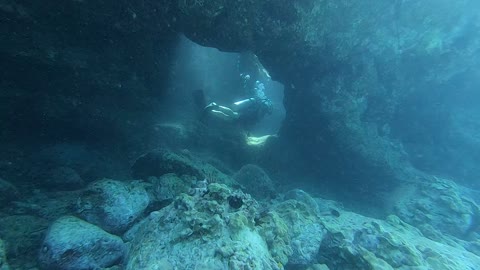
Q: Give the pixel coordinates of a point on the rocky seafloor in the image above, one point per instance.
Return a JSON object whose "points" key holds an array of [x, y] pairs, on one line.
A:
{"points": [[181, 212]]}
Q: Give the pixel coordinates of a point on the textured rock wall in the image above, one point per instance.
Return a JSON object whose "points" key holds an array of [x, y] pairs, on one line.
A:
{"points": [[81, 70], [350, 70]]}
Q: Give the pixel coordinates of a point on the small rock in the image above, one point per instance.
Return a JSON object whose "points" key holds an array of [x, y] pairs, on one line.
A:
{"points": [[113, 205], [72, 243], [168, 186]]}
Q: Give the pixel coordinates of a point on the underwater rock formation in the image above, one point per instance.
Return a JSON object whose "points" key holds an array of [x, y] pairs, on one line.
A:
{"points": [[305, 231], [222, 227], [347, 68], [207, 232], [72, 243], [113, 205], [356, 242], [350, 70], [438, 204], [225, 228], [201, 232]]}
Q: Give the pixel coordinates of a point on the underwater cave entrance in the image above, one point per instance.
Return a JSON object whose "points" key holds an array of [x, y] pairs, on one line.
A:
{"points": [[218, 75]]}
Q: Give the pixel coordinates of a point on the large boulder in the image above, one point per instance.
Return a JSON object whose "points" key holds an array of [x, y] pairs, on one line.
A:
{"points": [[113, 205], [353, 241], [73, 244], [221, 227], [212, 230]]}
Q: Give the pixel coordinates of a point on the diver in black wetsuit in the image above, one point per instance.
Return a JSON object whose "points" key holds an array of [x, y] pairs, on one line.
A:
{"points": [[247, 112]]}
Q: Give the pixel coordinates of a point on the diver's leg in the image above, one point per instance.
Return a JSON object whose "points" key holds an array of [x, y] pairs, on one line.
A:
{"points": [[222, 112], [221, 115], [211, 106], [226, 110]]}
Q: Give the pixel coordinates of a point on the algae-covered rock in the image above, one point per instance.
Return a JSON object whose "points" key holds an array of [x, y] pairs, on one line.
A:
{"points": [[74, 244], [113, 205], [213, 231], [305, 230], [168, 186], [439, 204], [357, 242], [275, 231]]}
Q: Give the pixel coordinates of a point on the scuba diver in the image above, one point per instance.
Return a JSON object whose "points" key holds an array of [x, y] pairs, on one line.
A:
{"points": [[246, 112]]}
